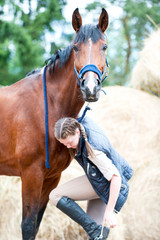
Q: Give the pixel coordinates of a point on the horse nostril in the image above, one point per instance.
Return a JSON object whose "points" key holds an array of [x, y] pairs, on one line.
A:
{"points": [[98, 81], [82, 83]]}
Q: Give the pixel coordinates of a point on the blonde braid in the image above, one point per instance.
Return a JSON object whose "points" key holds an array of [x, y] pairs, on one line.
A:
{"points": [[88, 146], [67, 126]]}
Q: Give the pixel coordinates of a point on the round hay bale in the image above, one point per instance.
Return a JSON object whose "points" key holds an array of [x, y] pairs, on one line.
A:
{"points": [[146, 73], [143, 208], [10, 208], [130, 119]]}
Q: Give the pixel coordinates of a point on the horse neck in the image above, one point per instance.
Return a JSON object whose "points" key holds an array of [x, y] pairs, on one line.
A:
{"points": [[64, 92]]}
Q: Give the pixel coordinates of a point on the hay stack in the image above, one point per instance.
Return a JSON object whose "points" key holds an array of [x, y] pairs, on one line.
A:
{"points": [[10, 208], [146, 73], [131, 119]]}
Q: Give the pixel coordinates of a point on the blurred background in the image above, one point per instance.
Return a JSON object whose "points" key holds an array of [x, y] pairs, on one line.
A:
{"points": [[31, 31]]}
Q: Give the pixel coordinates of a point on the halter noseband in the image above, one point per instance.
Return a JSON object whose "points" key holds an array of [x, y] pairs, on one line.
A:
{"points": [[92, 68]]}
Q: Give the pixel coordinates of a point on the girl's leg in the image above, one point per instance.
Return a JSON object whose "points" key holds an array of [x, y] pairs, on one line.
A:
{"points": [[77, 189], [96, 209]]}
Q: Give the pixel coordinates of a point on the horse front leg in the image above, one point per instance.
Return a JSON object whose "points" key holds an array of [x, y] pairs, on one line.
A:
{"points": [[32, 182], [48, 185]]}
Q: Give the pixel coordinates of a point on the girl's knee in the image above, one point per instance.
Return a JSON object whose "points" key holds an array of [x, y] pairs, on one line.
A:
{"points": [[54, 197]]}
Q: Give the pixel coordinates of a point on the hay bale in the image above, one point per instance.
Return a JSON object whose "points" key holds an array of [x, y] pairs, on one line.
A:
{"points": [[131, 119], [10, 208], [146, 73]]}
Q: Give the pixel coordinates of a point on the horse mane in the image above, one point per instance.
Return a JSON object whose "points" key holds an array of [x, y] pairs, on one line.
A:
{"points": [[35, 71], [62, 55], [85, 32]]}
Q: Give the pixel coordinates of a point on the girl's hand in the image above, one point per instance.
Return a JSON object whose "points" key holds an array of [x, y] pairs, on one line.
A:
{"points": [[109, 219]]}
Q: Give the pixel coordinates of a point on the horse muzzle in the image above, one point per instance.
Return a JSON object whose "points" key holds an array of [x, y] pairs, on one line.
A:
{"points": [[90, 89], [90, 80]]}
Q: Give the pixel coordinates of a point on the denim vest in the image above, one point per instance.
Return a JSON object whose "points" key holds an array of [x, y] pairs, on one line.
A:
{"points": [[101, 185]]}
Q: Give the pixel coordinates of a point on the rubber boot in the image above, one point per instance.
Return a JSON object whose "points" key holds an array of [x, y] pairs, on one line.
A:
{"points": [[76, 213]]}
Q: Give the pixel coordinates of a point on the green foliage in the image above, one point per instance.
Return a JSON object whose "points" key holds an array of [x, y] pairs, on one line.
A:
{"points": [[23, 35], [95, 5], [135, 26], [127, 39], [22, 38]]}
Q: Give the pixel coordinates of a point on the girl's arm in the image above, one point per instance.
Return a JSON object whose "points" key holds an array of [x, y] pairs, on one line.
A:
{"points": [[112, 174], [109, 217]]}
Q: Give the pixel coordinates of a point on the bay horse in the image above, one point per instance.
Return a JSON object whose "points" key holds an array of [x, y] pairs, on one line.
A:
{"points": [[73, 75]]}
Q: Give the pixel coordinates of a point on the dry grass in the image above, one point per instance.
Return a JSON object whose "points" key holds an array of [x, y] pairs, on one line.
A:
{"points": [[146, 73], [131, 120]]}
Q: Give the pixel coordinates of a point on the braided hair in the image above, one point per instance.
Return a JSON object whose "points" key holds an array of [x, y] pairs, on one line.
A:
{"points": [[67, 126]]}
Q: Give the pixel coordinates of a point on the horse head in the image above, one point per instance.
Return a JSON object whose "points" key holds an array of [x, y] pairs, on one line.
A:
{"points": [[90, 55]]}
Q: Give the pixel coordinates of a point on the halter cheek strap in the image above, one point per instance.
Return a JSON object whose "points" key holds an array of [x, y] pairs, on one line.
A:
{"points": [[92, 68]]}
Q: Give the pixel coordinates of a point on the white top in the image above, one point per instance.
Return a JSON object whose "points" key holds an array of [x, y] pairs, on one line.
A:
{"points": [[104, 164]]}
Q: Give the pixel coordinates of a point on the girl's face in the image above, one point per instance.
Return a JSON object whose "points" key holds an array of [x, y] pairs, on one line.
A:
{"points": [[71, 141]]}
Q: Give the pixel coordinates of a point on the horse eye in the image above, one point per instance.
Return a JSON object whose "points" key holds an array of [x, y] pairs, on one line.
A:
{"points": [[75, 48], [104, 47]]}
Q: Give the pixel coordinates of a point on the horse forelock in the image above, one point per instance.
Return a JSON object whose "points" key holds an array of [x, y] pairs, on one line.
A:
{"points": [[87, 32]]}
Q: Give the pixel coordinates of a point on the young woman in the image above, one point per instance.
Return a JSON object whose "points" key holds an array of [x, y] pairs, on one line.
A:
{"points": [[105, 183]]}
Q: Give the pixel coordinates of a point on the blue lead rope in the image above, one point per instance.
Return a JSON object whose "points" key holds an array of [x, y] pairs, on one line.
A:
{"points": [[46, 119], [84, 113], [104, 91]]}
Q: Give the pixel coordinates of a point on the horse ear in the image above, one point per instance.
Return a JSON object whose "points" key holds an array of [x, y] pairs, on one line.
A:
{"points": [[103, 20], [76, 20]]}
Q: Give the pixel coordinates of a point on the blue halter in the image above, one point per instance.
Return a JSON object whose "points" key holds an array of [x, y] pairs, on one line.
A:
{"points": [[92, 68]]}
